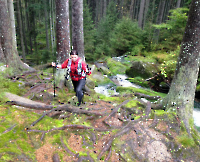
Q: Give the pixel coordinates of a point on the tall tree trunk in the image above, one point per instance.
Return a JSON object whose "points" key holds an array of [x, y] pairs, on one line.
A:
{"points": [[12, 18], [159, 19], [131, 9], [137, 9], [51, 25], [28, 27], [62, 30], [46, 24], [145, 12], [168, 5], [104, 8], [77, 27], [8, 52], [21, 33], [141, 13], [97, 13], [23, 28], [54, 21], [178, 4], [122, 8], [180, 98]]}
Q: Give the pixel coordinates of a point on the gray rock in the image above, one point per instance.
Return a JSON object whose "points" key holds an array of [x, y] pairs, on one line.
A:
{"points": [[142, 69]]}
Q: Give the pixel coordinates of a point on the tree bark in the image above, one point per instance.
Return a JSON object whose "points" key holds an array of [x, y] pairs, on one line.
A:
{"points": [[145, 12], [122, 8], [46, 24], [8, 52], [23, 27], [21, 33], [51, 25], [178, 4], [28, 27], [180, 98], [62, 30], [104, 8], [141, 13], [12, 18], [159, 19], [131, 9], [77, 27]]}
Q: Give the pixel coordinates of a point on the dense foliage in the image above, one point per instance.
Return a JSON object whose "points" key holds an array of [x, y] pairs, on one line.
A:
{"points": [[108, 31]]}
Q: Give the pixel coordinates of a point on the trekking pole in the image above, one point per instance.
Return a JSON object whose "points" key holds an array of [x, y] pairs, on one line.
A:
{"points": [[54, 80]]}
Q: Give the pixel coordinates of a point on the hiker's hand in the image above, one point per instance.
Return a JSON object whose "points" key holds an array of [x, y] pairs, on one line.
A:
{"points": [[53, 64]]}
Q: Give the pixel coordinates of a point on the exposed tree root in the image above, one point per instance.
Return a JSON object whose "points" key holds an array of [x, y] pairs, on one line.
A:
{"points": [[65, 147], [68, 126], [147, 96], [109, 154], [56, 158], [85, 158], [122, 131], [114, 111], [9, 129]]}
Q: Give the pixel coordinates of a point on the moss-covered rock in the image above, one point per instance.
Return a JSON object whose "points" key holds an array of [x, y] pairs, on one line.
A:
{"points": [[138, 90], [105, 71], [139, 81], [116, 67], [142, 69]]}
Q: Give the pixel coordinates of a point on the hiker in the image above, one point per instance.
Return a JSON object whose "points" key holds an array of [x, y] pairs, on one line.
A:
{"points": [[77, 69]]}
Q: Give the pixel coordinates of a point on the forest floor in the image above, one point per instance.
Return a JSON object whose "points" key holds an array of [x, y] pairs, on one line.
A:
{"points": [[98, 130]]}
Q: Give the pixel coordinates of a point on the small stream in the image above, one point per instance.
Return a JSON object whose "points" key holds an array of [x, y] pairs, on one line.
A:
{"points": [[109, 90]]}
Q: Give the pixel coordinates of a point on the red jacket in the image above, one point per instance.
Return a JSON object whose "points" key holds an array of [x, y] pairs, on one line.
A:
{"points": [[74, 65]]}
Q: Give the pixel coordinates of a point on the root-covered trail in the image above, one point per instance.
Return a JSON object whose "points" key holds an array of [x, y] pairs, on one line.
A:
{"points": [[97, 130]]}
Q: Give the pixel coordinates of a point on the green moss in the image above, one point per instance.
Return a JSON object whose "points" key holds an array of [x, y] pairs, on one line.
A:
{"points": [[116, 67], [139, 90], [140, 58], [185, 141], [160, 112], [139, 81], [132, 103], [137, 117]]}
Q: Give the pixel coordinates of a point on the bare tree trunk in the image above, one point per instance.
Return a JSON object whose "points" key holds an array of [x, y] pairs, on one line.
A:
{"points": [[122, 8], [46, 24], [145, 12], [21, 33], [28, 27], [131, 9], [104, 8], [62, 30], [12, 18], [178, 4], [23, 27], [97, 13], [141, 13], [180, 98], [159, 19], [77, 27], [51, 25], [8, 52]]}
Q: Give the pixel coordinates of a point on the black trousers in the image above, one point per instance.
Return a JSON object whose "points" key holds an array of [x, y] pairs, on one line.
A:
{"points": [[78, 88]]}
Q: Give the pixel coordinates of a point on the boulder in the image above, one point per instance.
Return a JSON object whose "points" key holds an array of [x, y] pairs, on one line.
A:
{"points": [[142, 69], [105, 70]]}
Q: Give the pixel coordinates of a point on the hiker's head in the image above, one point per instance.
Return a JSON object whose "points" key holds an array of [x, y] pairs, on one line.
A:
{"points": [[74, 55]]}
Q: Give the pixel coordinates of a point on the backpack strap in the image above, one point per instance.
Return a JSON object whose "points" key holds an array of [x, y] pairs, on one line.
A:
{"points": [[68, 69]]}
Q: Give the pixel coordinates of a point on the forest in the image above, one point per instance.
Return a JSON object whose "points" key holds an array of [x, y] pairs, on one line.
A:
{"points": [[141, 101]]}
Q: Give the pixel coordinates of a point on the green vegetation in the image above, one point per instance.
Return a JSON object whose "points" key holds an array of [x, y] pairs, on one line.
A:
{"points": [[137, 90]]}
